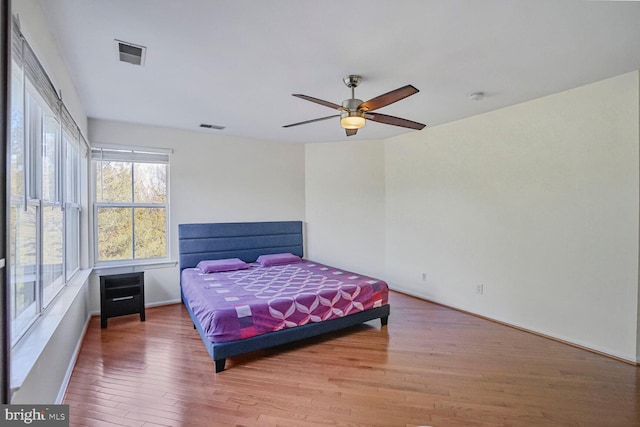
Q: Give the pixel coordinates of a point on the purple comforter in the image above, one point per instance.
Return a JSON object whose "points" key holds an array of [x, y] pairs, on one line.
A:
{"points": [[239, 304]]}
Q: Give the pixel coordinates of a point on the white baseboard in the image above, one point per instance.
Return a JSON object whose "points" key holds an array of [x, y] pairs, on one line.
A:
{"points": [[167, 302], [152, 304], [569, 341]]}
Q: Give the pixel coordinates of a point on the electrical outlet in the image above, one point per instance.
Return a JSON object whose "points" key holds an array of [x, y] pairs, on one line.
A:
{"points": [[479, 288]]}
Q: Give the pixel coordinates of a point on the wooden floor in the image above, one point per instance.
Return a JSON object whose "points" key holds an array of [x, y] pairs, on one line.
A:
{"points": [[430, 366]]}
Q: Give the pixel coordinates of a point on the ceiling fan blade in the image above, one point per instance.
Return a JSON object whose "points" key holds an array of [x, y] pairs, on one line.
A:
{"points": [[388, 98], [311, 121], [351, 131], [319, 101], [395, 121]]}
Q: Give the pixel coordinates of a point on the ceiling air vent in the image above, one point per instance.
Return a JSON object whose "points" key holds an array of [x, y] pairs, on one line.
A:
{"points": [[208, 126], [131, 53]]}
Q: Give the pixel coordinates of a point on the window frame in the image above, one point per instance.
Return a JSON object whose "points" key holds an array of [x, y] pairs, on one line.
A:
{"points": [[133, 155], [35, 112], [45, 124], [71, 176]]}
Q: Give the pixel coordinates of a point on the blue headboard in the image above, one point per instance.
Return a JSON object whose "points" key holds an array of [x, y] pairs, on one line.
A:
{"points": [[244, 240]]}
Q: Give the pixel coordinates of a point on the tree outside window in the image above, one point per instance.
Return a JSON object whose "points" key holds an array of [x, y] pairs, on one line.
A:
{"points": [[131, 205]]}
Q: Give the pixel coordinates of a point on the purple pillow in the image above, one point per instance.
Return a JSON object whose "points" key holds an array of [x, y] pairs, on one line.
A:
{"points": [[216, 265], [277, 259]]}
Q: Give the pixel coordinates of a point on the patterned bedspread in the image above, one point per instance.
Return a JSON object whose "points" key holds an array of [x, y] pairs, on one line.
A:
{"points": [[244, 303]]}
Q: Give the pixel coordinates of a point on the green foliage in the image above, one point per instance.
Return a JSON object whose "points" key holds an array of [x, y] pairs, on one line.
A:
{"points": [[151, 239], [22, 256], [121, 228], [114, 234]]}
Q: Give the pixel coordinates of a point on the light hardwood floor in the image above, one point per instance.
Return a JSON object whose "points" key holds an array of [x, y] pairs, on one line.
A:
{"points": [[430, 366]]}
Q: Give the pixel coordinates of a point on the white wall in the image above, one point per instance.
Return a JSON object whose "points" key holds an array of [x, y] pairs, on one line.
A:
{"points": [[538, 202], [345, 205], [212, 179]]}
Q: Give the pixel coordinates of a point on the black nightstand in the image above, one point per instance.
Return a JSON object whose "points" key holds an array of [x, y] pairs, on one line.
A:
{"points": [[121, 294]]}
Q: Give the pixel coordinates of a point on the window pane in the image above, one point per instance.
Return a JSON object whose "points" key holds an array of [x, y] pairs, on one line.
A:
{"points": [[150, 236], [114, 234], [50, 156], [22, 257], [72, 166], [52, 252], [72, 247], [32, 144], [113, 181], [17, 135], [150, 183]]}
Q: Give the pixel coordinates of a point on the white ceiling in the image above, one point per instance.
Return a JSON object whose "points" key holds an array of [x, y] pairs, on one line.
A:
{"points": [[236, 62]]}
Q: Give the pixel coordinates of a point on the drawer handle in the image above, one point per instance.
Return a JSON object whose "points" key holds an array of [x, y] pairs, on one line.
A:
{"points": [[122, 298]]}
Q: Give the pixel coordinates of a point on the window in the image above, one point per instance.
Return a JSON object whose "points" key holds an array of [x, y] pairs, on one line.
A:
{"points": [[44, 197], [72, 205], [131, 204]]}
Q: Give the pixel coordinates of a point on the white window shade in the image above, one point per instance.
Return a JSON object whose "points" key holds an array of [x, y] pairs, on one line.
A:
{"points": [[130, 154]]}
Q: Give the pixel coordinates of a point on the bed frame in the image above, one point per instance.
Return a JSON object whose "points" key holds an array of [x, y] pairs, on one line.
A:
{"points": [[247, 241]]}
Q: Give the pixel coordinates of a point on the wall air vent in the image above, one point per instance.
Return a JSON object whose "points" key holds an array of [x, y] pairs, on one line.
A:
{"points": [[131, 53], [208, 126]]}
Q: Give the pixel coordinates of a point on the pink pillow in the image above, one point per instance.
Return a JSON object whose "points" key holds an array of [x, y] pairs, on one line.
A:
{"points": [[277, 259], [217, 265]]}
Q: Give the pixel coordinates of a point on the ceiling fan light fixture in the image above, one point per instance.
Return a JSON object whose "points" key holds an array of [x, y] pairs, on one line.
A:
{"points": [[352, 121], [352, 117], [354, 113]]}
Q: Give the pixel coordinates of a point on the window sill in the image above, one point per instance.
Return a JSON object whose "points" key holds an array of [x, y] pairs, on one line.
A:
{"points": [[132, 268], [27, 351]]}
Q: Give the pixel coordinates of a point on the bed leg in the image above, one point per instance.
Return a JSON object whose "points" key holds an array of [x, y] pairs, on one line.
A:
{"points": [[194, 326], [384, 320], [220, 365]]}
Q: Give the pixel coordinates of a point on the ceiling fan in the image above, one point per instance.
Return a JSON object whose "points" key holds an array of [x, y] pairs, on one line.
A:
{"points": [[354, 112]]}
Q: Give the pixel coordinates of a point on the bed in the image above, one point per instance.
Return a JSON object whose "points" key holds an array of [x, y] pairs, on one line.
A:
{"points": [[278, 297]]}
